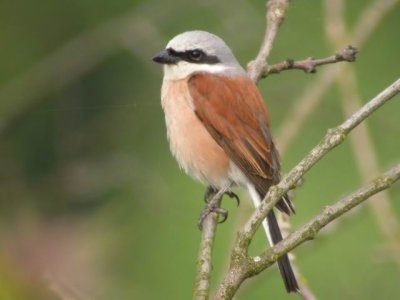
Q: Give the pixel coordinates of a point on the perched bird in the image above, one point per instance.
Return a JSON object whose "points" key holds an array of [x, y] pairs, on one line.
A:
{"points": [[218, 125]]}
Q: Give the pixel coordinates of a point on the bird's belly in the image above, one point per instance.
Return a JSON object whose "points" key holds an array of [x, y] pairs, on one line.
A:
{"points": [[193, 147]]}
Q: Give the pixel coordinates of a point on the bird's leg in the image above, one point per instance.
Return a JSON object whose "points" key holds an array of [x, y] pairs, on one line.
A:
{"points": [[211, 191], [213, 197]]}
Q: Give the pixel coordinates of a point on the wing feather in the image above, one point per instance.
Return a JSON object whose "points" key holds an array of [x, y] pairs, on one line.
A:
{"points": [[233, 112]]}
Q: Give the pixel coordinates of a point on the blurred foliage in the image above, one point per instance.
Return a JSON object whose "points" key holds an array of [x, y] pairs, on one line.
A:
{"points": [[93, 206]]}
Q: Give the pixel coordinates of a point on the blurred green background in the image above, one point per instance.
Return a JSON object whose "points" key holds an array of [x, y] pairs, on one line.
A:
{"points": [[93, 206]]}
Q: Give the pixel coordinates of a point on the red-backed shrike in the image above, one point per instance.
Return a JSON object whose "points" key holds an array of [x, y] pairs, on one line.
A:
{"points": [[218, 125]]}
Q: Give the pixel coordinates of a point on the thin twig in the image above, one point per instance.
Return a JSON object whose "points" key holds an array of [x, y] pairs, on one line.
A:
{"points": [[242, 266], [276, 10], [309, 65], [361, 143]]}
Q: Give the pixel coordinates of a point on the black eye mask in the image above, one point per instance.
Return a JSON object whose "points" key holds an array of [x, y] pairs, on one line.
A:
{"points": [[194, 56]]}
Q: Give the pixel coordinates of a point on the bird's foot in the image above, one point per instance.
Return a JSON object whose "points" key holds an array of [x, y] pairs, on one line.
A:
{"points": [[213, 197]]}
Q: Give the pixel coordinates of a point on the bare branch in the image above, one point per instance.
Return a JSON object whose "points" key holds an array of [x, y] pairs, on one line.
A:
{"points": [[276, 10], [310, 64]]}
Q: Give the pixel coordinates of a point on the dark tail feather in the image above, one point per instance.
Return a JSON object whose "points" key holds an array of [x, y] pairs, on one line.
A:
{"points": [[284, 264]]}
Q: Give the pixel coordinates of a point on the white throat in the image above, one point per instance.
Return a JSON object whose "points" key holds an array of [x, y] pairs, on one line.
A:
{"points": [[183, 69]]}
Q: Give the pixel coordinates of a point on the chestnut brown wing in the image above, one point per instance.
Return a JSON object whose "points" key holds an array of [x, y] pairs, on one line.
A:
{"points": [[233, 112]]}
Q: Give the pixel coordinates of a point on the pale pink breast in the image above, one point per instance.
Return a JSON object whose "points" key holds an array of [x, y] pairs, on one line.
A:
{"points": [[192, 146]]}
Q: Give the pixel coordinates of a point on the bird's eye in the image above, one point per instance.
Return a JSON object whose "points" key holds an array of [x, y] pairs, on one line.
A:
{"points": [[195, 55]]}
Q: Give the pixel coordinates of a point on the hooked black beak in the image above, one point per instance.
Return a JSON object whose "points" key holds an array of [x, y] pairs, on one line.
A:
{"points": [[164, 57]]}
